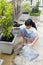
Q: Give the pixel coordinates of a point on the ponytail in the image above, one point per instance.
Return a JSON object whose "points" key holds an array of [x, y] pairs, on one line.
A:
{"points": [[31, 23]]}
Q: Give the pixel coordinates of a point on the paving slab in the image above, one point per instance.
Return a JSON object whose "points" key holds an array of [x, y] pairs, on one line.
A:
{"points": [[38, 47]]}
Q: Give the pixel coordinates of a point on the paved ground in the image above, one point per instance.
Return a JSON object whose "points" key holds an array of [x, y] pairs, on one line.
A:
{"points": [[38, 47]]}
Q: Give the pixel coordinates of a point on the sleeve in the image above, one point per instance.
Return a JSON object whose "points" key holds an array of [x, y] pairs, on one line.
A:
{"points": [[22, 26], [34, 30]]}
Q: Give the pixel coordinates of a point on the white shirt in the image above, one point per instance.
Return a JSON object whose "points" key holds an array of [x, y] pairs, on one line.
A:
{"points": [[22, 26], [32, 29]]}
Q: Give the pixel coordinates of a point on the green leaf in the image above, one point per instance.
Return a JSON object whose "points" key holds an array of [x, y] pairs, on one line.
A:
{"points": [[6, 17]]}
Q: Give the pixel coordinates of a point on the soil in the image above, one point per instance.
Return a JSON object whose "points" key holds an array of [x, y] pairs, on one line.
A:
{"points": [[25, 12], [16, 24], [4, 38]]}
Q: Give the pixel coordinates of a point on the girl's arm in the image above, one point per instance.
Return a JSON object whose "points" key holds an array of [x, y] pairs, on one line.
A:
{"points": [[36, 38]]}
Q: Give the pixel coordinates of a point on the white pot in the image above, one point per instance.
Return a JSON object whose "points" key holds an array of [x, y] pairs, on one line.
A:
{"points": [[7, 47], [24, 17]]}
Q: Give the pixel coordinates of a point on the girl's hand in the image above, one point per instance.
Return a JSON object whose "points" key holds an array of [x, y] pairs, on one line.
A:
{"points": [[31, 45]]}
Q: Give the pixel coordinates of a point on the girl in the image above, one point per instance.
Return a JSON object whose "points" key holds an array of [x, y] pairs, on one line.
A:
{"points": [[29, 30]]}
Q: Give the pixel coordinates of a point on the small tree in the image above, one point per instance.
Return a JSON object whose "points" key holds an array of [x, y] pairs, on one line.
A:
{"points": [[6, 17], [26, 6]]}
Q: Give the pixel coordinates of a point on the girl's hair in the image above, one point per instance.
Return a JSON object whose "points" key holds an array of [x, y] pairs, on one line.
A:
{"points": [[29, 22]]}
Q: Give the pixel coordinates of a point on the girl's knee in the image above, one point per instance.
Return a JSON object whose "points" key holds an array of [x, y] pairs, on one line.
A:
{"points": [[31, 39], [33, 35], [22, 32]]}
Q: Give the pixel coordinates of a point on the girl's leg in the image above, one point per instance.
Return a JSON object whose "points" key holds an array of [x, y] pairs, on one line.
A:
{"points": [[23, 34], [32, 37]]}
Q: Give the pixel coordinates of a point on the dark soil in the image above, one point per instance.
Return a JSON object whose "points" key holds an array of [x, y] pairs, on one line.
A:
{"points": [[25, 12], [4, 38], [16, 24]]}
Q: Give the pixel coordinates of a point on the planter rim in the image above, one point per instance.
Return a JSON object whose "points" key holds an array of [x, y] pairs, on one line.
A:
{"points": [[9, 42], [25, 12]]}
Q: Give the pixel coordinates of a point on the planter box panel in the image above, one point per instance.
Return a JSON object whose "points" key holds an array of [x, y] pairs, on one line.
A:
{"points": [[7, 47]]}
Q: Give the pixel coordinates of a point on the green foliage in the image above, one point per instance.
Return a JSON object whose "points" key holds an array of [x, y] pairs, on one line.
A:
{"points": [[26, 6], [6, 17], [35, 14], [35, 9]]}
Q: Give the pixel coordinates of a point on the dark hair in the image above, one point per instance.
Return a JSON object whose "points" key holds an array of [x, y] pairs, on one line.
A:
{"points": [[31, 23]]}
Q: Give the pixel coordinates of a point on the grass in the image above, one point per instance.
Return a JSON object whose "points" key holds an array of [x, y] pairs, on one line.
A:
{"points": [[35, 14]]}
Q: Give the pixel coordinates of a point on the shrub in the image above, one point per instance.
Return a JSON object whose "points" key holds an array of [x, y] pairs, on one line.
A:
{"points": [[35, 14], [26, 6], [6, 17]]}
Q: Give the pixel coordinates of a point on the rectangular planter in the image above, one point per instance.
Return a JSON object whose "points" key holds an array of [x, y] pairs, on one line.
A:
{"points": [[7, 47], [16, 32], [1, 61]]}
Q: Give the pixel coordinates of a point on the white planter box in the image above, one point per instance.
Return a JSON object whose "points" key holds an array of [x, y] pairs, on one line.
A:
{"points": [[24, 17], [1, 61], [15, 32], [7, 47]]}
